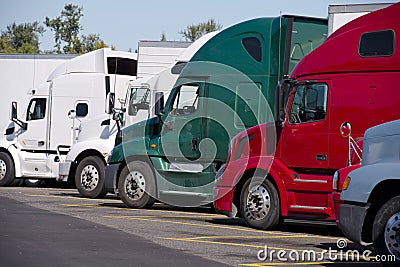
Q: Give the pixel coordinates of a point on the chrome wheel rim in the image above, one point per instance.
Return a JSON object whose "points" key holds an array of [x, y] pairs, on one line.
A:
{"points": [[258, 203], [3, 169], [135, 185], [89, 177], [392, 235]]}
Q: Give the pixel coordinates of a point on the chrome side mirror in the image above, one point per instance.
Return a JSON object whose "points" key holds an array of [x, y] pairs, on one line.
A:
{"points": [[345, 129]]}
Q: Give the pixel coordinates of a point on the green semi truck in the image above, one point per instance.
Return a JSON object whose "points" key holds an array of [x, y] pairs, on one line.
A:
{"points": [[229, 85]]}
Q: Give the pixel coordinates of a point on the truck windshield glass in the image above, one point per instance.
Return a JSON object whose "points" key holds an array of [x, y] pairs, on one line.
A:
{"points": [[185, 100], [36, 109], [139, 99], [309, 103]]}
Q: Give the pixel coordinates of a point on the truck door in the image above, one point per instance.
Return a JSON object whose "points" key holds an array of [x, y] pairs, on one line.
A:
{"points": [[304, 147], [33, 141], [183, 124], [35, 137], [304, 139]]}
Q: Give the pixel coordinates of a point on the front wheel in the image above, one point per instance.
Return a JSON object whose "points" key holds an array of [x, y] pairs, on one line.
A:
{"points": [[33, 182], [136, 185], [259, 205], [7, 171], [386, 231], [89, 177]]}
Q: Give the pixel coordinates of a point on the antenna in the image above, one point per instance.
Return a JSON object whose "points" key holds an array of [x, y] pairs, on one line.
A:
{"points": [[34, 72]]}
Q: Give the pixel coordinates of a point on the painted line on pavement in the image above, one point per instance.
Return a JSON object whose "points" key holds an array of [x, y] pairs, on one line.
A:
{"points": [[249, 230]]}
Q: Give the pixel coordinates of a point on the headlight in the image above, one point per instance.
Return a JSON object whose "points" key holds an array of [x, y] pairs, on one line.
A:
{"points": [[108, 157]]}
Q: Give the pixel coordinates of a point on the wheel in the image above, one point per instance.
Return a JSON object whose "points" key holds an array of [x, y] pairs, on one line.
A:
{"points": [[386, 231], [89, 177], [259, 205], [33, 182], [136, 185], [7, 171]]}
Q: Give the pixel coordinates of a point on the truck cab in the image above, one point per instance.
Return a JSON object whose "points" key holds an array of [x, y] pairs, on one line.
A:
{"points": [[227, 86], [370, 212], [346, 79]]}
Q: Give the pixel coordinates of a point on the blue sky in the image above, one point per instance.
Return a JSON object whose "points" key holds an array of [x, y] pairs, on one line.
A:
{"points": [[123, 23]]}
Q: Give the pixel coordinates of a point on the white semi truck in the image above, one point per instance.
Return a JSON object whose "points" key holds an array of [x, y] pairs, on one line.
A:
{"points": [[37, 141], [85, 160]]}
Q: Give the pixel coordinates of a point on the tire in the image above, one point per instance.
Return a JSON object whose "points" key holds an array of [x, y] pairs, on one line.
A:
{"points": [[33, 182], [136, 185], [386, 231], [261, 208], [90, 177], [7, 170]]}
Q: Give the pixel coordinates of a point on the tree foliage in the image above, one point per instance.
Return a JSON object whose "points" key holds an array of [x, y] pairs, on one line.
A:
{"points": [[195, 31], [66, 28], [21, 38], [163, 37]]}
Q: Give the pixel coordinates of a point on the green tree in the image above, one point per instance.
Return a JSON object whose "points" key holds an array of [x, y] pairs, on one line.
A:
{"points": [[91, 42], [21, 38], [163, 37], [66, 29], [195, 31]]}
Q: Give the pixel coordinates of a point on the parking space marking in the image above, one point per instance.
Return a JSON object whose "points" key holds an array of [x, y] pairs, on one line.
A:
{"points": [[72, 197], [237, 244], [142, 218], [154, 210], [255, 237]]}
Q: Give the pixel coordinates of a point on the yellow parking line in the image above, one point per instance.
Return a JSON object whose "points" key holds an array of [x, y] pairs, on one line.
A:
{"points": [[153, 210], [72, 197], [16, 188], [255, 237], [166, 216], [215, 226], [48, 196], [186, 223], [234, 244], [141, 218]]}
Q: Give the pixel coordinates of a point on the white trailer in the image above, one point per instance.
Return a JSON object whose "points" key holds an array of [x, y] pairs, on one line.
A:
{"points": [[85, 160], [32, 146], [155, 56], [339, 15]]}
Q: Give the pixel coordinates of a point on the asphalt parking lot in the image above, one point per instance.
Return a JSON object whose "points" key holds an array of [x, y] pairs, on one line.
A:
{"points": [[181, 236]]}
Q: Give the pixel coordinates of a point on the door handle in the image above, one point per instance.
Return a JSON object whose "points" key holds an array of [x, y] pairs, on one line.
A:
{"points": [[320, 157], [40, 143], [195, 144]]}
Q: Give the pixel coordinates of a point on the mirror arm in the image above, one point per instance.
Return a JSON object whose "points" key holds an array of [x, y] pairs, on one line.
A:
{"points": [[20, 123]]}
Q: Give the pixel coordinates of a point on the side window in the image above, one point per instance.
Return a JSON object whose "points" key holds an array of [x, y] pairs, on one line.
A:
{"points": [[309, 103], [374, 44], [36, 109], [253, 47], [82, 109], [138, 99], [122, 66], [186, 100]]}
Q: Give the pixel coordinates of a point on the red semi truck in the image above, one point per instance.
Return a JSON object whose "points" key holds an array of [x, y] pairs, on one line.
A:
{"points": [[352, 77]]}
